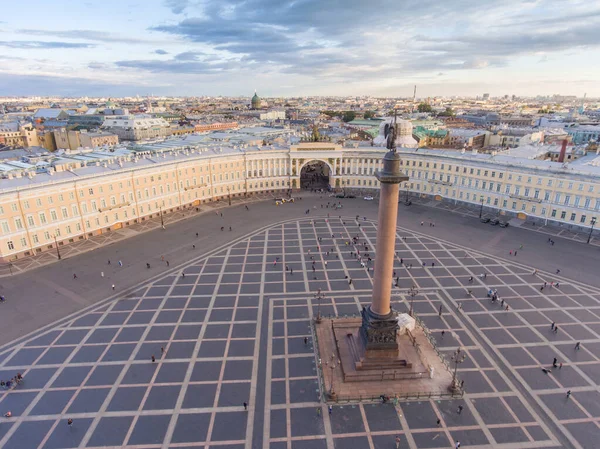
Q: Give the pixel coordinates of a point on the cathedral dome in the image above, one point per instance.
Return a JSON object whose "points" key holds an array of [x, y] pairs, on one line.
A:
{"points": [[255, 101]]}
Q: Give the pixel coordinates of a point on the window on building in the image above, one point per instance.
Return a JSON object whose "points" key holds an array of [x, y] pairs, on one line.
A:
{"points": [[567, 199], [5, 227], [10, 245], [582, 219], [42, 218], [563, 215], [514, 205], [573, 216]]}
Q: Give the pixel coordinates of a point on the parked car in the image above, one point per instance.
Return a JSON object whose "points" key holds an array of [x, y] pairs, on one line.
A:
{"points": [[504, 224], [368, 198], [341, 195], [485, 220], [350, 196], [495, 222]]}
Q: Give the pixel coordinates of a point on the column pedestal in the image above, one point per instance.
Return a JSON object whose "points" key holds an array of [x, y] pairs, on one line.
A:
{"points": [[378, 333]]}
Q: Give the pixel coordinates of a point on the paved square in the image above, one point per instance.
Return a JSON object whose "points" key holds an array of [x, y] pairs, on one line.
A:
{"points": [[237, 329]]}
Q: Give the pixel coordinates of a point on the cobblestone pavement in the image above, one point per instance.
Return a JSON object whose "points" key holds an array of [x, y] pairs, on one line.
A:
{"points": [[232, 324]]}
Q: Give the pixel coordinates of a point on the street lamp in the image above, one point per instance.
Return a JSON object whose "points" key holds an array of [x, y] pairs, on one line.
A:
{"points": [[481, 198], [229, 193], [406, 185], [592, 229], [319, 296], [412, 293], [162, 222], [333, 364], [10, 265], [457, 358], [57, 250]]}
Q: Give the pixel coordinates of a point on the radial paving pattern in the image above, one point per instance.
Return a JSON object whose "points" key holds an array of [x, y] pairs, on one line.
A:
{"points": [[233, 331]]}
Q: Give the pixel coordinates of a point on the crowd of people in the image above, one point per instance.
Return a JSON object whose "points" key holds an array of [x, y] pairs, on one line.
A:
{"points": [[12, 382]]}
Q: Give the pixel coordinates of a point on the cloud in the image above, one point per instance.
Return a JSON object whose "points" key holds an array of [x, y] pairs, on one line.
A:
{"points": [[180, 66], [30, 45], [97, 66], [188, 56], [177, 6], [161, 52], [91, 35]]}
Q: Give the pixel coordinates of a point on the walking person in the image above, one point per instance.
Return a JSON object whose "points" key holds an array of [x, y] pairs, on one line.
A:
{"points": [[69, 422], [397, 442], [120, 263], [460, 409], [245, 406], [113, 286], [330, 409], [578, 346], [568, 394]]}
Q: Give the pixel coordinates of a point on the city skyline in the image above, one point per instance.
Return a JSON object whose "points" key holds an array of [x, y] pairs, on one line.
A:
{"points": [[183, 47]]}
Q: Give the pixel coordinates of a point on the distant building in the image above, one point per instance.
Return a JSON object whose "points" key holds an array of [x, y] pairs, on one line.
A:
{"points": [[486, 97], [514, 137], [137, 127], [218, 126], [584, 133], [98, 139], [50, 114], [18, 135]]}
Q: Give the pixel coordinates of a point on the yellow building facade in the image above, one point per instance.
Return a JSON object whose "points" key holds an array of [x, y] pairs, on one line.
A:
{"points": [[75, 200]]}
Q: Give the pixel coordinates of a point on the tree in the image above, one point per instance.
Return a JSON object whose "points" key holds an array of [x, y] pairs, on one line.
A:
{"points": [[348, 116], [449, 112], [332, 113], [424, 107], [369, 114]]}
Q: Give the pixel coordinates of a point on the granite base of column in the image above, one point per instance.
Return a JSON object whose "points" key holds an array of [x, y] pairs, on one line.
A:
{"points": [[379, 333]]}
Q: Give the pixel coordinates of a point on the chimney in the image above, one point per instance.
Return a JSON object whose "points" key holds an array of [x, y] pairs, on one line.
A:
{"points": [[563, 151]]}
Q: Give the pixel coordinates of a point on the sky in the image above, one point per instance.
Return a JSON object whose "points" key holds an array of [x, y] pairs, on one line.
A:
{"points": [[299, 47]]}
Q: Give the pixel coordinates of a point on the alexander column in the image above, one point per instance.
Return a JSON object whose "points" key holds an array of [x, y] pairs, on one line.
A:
{"points": [[379, 325]]}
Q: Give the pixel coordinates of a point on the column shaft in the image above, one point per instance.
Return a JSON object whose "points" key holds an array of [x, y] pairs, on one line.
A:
{"points": [[386, 238]]}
